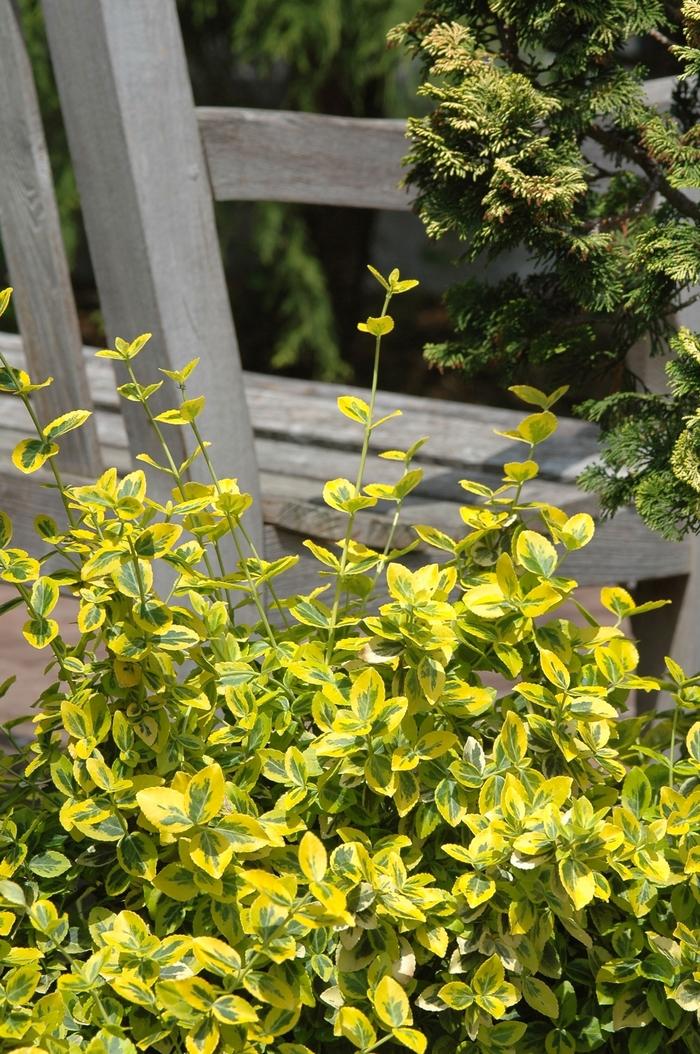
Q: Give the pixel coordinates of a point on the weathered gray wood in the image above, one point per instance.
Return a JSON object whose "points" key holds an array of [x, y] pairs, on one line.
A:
{"points": [[440, 482], [274, 155], [317, 159], [31, 238], [129, 113], [658, 92], [461, 435], [303, 417]]}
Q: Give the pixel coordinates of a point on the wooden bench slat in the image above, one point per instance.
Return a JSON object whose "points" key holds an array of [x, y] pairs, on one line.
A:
{"points": [[458, 437], [305, 412], [440, 482], [296, 454], [33, 246], [147, 203], [316, 159]]}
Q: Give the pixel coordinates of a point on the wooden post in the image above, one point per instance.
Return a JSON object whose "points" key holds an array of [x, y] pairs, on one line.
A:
{"points": [[129, 113], [31, 238]]}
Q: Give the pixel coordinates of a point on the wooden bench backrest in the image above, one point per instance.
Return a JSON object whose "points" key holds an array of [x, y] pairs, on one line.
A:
{"points": [[149, 166], [34, 250]]}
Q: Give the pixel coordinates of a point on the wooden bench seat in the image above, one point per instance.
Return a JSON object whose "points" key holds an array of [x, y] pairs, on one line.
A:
{"points": [[301, 440]]}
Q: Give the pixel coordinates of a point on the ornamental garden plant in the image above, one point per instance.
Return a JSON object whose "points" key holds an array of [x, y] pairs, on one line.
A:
{"points": [[250, 822], [541, 138]]}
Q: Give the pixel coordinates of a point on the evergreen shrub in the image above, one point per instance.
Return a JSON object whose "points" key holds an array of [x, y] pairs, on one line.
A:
{"points": [[249, 822], [543, 139]]}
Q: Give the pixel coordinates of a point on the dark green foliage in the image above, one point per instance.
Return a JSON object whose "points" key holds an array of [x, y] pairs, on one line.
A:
{"points": [[651, 447], [540, 139]]}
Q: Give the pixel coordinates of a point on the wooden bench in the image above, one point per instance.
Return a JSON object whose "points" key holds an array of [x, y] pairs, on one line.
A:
{"points": [[149, 167]]}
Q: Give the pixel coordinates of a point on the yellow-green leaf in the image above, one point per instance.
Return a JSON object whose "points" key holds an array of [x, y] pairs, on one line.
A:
{"points": [[313, 859], [513, 738], [529, 395], [44, 596], [203, 1038], [205, 794], [39, 632], [536, 553], [578, 881], [165, 809], [176, 882], [31, 454], [353, 407], [17, 567], [211, 850], [5, 530], [215, 955], [411, 1038], [554, 669], [377, 327], [50, 864], [184, 414], [66, 423], [180, 376], [693, 741], [391, 1003], [577, 531], [354, 1026], [20, 984], [138, 855], [233, 1010], [540, 996], [537, 427], [457, 995]]}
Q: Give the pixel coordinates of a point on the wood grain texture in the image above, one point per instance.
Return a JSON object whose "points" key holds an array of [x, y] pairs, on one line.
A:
{"points": [[461, 434], [276, 155], [317, 159], [132, 130], [33, 247]]}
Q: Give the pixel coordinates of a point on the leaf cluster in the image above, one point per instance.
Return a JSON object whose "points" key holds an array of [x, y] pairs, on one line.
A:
{"points": [[250, 821]]}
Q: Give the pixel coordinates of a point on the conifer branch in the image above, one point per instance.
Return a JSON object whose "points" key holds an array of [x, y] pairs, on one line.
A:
{"points": [[615, 143]]}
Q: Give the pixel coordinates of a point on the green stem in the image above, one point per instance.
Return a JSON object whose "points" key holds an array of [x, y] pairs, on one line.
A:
{"points": [[358, 486], [236, 541], [40, 432], [137, 572], [392, 530], [519, 488], [389, 540], [672, 746], [171, 462], [273, 592]]}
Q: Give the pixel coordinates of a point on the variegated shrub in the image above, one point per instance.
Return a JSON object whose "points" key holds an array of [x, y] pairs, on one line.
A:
{"points": [[253, 823]]}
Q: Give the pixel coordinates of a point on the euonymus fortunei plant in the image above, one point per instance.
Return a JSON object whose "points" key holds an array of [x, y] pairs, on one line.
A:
{"points": [[251, 822]]}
